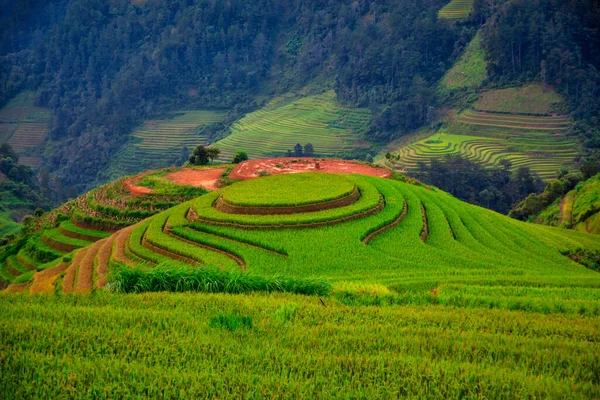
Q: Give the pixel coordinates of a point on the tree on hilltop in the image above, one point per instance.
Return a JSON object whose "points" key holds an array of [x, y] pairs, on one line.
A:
{"points": [[309, 151], [298, 150], [239, 157], [203, 155]]}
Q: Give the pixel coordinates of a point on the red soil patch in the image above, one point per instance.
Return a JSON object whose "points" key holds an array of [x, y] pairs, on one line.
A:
{"points": [[130, 184], [275, 166], [207, 178]]}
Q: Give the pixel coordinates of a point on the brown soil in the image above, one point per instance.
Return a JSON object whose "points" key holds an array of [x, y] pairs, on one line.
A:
{"points": [[68, 283], [207, 178], [43, 281], [85, 277], [120, 244], [104, 255], [16, 288], [275, 166]]}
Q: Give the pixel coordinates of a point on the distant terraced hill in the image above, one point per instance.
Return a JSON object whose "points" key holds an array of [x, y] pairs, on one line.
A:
{"points": [[493, 130], [25, 127], [161, 143], [456, 9], [319, 120]]}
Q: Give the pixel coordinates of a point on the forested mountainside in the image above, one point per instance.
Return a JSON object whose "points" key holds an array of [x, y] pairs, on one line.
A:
{"points": [[102, 67]]}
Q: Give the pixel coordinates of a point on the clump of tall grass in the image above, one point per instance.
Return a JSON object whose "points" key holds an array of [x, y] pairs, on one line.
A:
{"points": [[231, 321], [167, 277]]}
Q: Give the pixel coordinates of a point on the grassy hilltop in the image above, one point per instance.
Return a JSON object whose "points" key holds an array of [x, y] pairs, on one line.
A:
{"points": [[434, 296]]}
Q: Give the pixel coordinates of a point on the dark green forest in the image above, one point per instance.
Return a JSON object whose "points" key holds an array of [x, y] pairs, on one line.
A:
{"points": [[104, 66]]}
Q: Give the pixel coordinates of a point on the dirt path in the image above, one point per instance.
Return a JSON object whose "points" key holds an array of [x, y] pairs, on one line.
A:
{"points": [[206, 178], [275, 166]]}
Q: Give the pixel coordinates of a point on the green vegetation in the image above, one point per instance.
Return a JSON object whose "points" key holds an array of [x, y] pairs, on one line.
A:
{"points": [[330, 127], [456, 9], [441, 287], [400, 351], [577, 209], [537, 142], [175, 278], [469, 72], [283, 190], [161, 143], [531, 99]]}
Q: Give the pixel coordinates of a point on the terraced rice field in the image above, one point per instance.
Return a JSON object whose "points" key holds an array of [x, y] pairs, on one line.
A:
{"points": [[25, 127], [456, 9], [539, 143], [352, 240], [319, 120], [159, 143], [435, 298]]}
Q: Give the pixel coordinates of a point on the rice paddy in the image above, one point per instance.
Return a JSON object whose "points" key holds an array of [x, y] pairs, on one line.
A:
{"points": [[160, 143], [434, 297], [275, 129], [25, 127], [456, 9], [540, 143]]}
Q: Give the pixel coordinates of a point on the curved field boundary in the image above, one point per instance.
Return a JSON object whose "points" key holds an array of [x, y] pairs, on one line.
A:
{"points": [[85, 277], [236, 240], [12, 270], [95, 224], [121, 243], [193, 217], [156, 248], [169, 254], [78, 235], [367, 239], [16, 288], [425, 230], [222, 206], [450, 227], [26, 263], [60, 246], [239, 260], [103, 259], [43, 281], [68, 283]]}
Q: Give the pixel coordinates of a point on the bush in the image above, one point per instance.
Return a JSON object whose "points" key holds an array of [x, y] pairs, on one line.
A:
{"points": [[169, 277], [239, 157]]}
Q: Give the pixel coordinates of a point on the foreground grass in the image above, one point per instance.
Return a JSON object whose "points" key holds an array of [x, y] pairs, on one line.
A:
{"points": [[281, 345]]}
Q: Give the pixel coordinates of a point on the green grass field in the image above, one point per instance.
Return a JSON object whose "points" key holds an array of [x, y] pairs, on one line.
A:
{"points": [[529, 99], [456, 9], [443, 300], [319, 120], [160, 143], [469, 72]]}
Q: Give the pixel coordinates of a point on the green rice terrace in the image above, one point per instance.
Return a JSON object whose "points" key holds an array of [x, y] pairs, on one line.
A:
{"points": [[276, 128], [456, 9], [492, 131], [416, 292], [25, 127], [160, 143]]}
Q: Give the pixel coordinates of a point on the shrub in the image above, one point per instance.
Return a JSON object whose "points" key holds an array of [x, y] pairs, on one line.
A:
{"points": [[173, 277]]}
